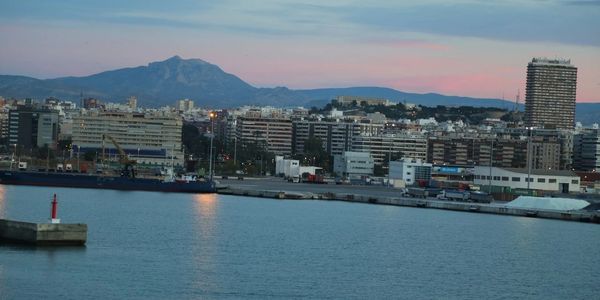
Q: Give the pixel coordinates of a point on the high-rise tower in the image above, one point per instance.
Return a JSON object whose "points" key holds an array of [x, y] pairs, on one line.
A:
{"points": [[550, 93]]}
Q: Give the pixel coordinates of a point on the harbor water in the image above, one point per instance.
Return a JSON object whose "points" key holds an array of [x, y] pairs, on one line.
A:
{"points": [[147, 245]]}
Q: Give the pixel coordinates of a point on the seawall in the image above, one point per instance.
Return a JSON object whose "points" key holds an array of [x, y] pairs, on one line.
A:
{"points": [[579, 216], [42, 233]]}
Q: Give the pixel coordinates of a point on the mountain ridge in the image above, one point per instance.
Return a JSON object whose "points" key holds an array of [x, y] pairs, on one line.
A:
{"points": [[163, 82]]}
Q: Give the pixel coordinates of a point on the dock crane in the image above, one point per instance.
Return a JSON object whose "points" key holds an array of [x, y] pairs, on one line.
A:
{"points": [[128, 170]]}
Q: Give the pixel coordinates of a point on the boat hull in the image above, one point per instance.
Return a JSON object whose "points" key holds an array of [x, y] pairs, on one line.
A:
{"points": [[75, 180]]}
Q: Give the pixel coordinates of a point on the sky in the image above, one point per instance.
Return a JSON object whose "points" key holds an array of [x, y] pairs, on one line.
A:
{"points": [[468, 48]]}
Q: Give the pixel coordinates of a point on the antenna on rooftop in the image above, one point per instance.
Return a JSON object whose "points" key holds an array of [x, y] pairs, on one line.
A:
{"points": [[518, 98]]}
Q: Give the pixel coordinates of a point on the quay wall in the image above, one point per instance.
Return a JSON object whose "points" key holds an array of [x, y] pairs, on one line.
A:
{"points": [[580, 216]]}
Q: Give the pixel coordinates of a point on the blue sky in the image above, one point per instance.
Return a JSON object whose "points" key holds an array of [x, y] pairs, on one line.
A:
{"points": [[471, 48]]}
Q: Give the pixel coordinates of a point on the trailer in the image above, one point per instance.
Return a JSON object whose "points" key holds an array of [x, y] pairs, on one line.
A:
{"points": [[423, 192], [454, 195], [481, 197]]}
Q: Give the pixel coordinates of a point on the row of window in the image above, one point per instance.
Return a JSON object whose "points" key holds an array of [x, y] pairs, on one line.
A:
{"points": [[518, 179]]}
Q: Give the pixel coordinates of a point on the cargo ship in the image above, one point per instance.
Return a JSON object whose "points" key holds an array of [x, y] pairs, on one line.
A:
{"points": [[183, 184]]}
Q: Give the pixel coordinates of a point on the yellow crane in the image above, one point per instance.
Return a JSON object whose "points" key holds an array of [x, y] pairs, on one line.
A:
{"points": [[128, 170]]}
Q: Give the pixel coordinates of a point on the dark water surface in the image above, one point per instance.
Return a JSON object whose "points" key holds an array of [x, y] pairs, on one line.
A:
{"points": [[145, 245]]}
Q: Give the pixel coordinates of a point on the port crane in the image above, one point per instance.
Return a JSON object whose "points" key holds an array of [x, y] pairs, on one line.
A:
{"points": [[128, 170]]}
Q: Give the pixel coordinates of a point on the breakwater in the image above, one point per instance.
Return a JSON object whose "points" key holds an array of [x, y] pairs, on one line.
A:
{"points": [[42, 233], [500, 209]]}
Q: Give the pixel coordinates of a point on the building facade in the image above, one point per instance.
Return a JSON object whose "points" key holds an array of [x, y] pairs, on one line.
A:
{"points": [[586, 153], [31, 127], [273, 132], [353, 164], [384, 147], [147, 138], [336, 135], [410, 170], [550, 94], [545, 180]]}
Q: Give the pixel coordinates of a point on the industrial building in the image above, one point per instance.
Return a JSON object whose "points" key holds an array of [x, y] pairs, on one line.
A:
{"points": [[545, 180], [409, 171], [353, 164]]}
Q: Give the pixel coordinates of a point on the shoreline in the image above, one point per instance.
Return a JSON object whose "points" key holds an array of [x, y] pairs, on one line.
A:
{"points": [[492, 208]]}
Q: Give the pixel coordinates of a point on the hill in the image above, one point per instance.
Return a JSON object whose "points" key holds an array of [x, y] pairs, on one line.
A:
{"points": [[162, 83]]}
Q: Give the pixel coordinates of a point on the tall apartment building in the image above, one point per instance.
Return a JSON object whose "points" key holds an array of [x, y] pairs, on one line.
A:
{"points": [[382, 147], [273, 131], [147, 138], [586, 153], [336, 134], [550, 94], [132, 102], [32, 127], [185, 105]]}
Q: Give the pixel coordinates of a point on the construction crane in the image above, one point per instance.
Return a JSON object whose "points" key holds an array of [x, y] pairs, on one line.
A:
{"points": [[128, 170]]}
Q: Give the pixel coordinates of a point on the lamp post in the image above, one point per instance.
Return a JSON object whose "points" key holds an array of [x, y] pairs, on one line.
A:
{"points": [[491, 163], [529, 158], [211, 115]]}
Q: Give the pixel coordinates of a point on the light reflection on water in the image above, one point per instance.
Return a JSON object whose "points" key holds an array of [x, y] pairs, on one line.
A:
{"points": [[204, 249], [2, 202]]}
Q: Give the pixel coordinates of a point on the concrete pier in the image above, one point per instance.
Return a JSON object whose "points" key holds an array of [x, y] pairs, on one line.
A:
{"points": [[500, 209], [43, 234]]}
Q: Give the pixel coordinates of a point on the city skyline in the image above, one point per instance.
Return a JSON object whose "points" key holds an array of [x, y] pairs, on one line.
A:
{"points": [[466, 48]]}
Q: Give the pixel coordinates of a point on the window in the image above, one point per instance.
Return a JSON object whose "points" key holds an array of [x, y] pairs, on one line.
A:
{"points": [[504, 178], [541, 180], [552, 180], [517, 179], [496, 177], [575, 181]]}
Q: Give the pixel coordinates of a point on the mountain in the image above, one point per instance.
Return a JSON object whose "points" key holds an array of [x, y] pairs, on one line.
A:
{"points": [[164, 82]]}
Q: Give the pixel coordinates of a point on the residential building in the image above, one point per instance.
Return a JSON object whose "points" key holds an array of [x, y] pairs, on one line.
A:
{"points": [[586, 154], [385, 146], [550, 94], [335, 134], [132, 102], [273, 131], [185, 105]]}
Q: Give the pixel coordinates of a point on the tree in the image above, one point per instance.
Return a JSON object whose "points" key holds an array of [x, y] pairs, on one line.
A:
{"points": [[314, 153]]}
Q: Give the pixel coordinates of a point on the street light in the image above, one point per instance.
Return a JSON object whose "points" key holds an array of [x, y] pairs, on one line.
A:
{"points": [[529, 157], [211, 115]]}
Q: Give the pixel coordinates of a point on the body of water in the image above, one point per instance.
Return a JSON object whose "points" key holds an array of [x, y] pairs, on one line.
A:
{"points": [[144, 245]]}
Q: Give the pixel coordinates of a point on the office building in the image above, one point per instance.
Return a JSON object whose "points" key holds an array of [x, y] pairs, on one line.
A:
{"points": [[409, 171], [32, 127], [353, 164], [147, 138], [550, 94]]}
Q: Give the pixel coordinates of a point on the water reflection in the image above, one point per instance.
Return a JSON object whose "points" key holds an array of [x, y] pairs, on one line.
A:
{"points": [[2, 202], [205, 246]]}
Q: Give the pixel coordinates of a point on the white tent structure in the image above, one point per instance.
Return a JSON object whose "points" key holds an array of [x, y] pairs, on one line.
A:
{"points": [[547, 203]]}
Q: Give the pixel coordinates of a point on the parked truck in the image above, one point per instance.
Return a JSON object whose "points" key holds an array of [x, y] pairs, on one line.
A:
{"points": [[480, 197], [423, 192], [454, 195]]}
